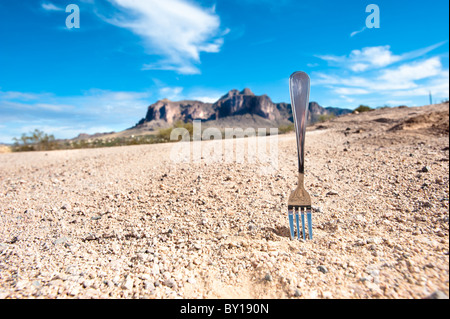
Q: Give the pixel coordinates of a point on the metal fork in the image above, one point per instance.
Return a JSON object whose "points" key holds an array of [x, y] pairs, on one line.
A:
{"points": [[299, 202]]}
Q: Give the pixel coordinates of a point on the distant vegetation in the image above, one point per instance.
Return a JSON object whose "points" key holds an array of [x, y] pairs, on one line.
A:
{"points": [[35, 141], [363, 108], [283, 129], [325, 117], [164, 134], [40, 141]]}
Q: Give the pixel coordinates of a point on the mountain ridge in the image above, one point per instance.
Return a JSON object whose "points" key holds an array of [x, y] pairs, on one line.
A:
{"points": [[227, 108]]}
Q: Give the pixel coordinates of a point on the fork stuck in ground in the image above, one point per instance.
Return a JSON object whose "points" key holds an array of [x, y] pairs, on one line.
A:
{"points": [[299, 203]]}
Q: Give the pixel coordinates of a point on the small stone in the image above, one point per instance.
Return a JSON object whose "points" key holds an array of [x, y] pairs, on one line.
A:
{"points": [[88, 283], [317, 209], [13, 240], [61, 240], [332, 193], [127, 283], [268, 277], [426, 169], [169, 283], [148, 285], [90, 237], [437, 295], [197, 261], [297, 293], [322, 269]]}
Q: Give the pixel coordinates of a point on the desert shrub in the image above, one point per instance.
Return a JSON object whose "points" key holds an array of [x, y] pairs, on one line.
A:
{"points": [[363, 108], [325, 117], [283, 129], [35, 141], [164, 133]]}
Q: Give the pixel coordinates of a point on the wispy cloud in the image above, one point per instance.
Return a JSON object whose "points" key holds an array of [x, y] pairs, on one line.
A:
{"points": [[375, 57], [356, 32], [378, 75], [68, 116], [171, 93], [176, 30], [51, 7]]}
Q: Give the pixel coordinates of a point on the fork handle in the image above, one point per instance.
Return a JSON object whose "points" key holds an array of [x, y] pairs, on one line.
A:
{"points": [[299, 89]]}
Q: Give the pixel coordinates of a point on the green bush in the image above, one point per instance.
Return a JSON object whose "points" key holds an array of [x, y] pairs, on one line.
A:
{"points": [[164, 133], [36, 141], [363, 108], [283, 129], [325, 117]]}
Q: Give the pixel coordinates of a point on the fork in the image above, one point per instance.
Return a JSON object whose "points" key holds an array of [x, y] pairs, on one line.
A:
{"points": [[299, 202]]}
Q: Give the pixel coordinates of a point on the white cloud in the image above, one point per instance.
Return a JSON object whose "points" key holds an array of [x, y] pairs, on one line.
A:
{"points": [[206, 99], [67, 116], [364, 59], [351, 91], [375, 57], [378, 75], [171, 93], [51, 7], [407, 73], [400, 78], [177, 30]]}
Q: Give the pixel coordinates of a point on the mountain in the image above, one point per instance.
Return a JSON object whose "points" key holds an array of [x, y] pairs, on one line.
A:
{"points": [[234, 107]]}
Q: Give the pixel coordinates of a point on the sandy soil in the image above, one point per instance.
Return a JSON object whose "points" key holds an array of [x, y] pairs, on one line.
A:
{"points": [[127, 222]]}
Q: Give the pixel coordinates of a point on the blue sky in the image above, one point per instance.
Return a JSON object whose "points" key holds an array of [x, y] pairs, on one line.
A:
{"points": [[129, 53]]}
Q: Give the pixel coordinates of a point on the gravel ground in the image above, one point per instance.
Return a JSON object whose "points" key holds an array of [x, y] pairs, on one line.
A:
{"points": [[127, 222]]}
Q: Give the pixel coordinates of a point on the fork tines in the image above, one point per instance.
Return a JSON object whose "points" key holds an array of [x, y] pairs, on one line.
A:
{"points": [[299, 212]]}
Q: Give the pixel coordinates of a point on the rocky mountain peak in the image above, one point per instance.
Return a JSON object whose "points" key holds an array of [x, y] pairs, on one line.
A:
{"points": [[246, 91], [233, 104]]}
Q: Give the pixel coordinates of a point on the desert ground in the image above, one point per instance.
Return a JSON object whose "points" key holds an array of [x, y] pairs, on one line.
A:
{"points": [[128, 222]]}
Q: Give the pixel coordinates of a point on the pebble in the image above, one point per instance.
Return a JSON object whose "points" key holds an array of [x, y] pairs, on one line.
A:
{"points": [[127, 283], [170, 282], [90, 237], [66, 207], [61, 240], [332, 193], [322, 269], [317, 209], [437, 295], [268, 277], [426, 169]]}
